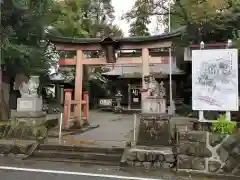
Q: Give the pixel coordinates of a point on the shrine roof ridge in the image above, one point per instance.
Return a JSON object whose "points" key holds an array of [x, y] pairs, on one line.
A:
{"points": [[123, 40]]}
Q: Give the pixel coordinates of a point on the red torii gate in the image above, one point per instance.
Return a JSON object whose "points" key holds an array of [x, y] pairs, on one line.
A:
{"points": [[109, 46]]}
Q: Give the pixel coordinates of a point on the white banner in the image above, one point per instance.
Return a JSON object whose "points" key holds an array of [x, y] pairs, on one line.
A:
{"points": [[105, 102], [215, 79]]}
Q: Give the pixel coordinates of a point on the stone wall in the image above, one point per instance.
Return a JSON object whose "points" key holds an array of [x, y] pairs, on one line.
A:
{"points": [[207, 152], [149, 157]]}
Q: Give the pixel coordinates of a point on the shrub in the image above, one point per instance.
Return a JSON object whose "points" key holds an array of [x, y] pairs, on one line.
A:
{"points": [[223, 126]]}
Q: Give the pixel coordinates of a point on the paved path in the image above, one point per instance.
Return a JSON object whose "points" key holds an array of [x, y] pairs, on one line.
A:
{"points": [[114, 129]]}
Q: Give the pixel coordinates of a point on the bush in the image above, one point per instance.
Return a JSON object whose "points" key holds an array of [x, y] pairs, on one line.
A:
{"points": [[223, 126]]}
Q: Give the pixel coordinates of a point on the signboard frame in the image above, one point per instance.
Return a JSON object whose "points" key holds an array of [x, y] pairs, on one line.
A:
{"points": [[215, 80]]}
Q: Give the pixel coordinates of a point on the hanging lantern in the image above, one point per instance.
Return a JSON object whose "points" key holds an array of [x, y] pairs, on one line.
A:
{"points": [[109, 47]]}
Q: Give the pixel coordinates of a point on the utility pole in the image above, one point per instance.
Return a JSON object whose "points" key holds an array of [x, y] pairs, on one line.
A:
{"points": [[170, 60]]}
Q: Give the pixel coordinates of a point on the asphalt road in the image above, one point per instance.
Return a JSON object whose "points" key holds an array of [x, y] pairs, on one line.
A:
{"points": [[13, 169], [16, 175]]}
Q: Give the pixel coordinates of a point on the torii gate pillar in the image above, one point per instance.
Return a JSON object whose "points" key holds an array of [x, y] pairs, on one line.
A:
{"points": [[78, 85]]}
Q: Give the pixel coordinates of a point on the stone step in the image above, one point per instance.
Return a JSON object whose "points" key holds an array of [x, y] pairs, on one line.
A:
{"points": [[69, 148], [87, 156], [64, 160]]}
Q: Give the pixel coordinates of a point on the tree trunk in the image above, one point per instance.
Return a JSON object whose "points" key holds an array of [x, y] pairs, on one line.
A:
{"points": [[4, 96]]}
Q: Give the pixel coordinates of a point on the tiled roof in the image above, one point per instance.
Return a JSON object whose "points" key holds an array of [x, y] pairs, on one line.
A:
{"points": [[124, 40]]}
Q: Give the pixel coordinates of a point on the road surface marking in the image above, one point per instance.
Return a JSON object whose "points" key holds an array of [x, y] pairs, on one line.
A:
{"points": [[74, 173]]}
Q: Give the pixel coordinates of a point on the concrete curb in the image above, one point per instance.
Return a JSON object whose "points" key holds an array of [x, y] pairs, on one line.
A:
{"points": [[61, 153], [73, 131], [82, 130], [89, 162], [80, 148], [208, 175], [78, 154]]}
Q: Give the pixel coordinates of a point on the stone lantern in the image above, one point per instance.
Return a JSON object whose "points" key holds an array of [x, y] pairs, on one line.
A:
{"points": [[119, 99]]}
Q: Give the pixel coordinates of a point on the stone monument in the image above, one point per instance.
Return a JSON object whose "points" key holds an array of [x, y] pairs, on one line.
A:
{"points": [[154, 128]]}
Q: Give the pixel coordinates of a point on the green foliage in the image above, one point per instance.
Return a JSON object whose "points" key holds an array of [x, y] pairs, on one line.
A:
{"points": [[67, 19], [23, 25], [208, 21], [139, 16], [221, 125], [80, 18]]}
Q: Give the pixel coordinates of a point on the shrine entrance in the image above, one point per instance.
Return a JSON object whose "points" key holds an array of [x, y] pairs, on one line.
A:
{"points": [[146, 51]]}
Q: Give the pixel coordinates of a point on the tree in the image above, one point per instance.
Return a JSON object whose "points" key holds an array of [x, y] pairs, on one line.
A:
{"points": [[139, 18], [98, 18], [80, 18], [23, 45], [22, 31], [206, 20], [67, 19]]}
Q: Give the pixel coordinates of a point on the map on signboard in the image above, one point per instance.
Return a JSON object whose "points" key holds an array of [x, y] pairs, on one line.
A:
{"points": [[215, 79]]}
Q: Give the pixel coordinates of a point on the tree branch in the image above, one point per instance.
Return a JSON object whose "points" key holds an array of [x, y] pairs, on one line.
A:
{"points": [[184, 12]]}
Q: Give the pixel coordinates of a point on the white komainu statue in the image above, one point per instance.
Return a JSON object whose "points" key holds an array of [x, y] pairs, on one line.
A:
{"points": [[29, 88], [153, 87]]}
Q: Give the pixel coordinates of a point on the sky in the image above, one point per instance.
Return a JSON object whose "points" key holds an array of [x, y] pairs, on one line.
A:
{"points": [[121, 7]]}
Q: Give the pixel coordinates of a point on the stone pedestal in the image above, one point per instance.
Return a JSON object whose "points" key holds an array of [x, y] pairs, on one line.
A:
{"points": [[145, 105], [29, 121], [154, 105], [29, 104], [162, 105], [154, 130], [29, 118]]}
